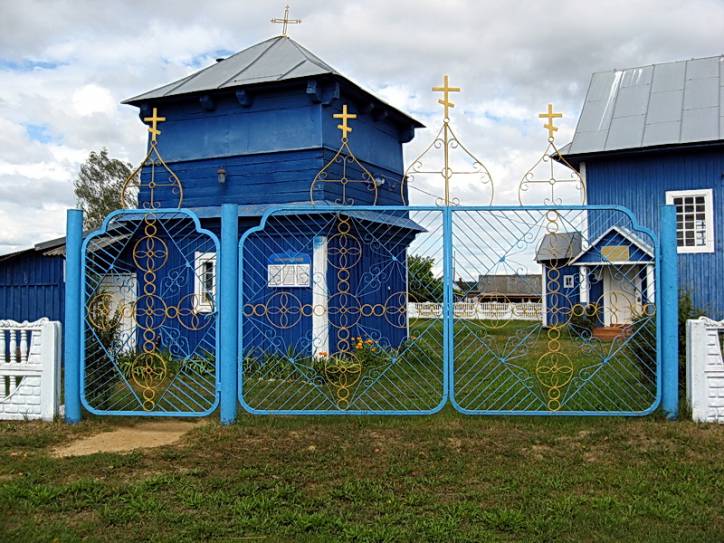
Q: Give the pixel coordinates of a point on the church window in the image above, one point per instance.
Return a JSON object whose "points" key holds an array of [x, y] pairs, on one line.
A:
{"points": [[205, 282], [694, 220]]}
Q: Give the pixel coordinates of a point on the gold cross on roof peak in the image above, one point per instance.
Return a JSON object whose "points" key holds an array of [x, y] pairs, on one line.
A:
{"points": [[344, 127], [549, 125], [154, 119], [446, 89], [286, 21]]}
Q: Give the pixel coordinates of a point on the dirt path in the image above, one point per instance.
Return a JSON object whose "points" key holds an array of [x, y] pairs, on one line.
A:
{"points": [[143, 435]]}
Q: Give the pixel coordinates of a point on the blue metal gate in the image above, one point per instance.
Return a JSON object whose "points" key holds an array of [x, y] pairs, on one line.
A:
{"points": [[325, 326], [149, 341], [498, 310]]}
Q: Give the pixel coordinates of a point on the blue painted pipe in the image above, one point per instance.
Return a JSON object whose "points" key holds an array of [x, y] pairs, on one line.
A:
{"points": [[227, 296], [71, 339], [669, 296]]}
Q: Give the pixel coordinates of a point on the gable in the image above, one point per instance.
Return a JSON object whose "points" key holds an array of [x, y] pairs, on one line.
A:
{"points": [[616, 246]]}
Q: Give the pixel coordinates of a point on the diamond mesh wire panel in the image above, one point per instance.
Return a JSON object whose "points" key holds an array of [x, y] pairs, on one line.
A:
{"points": [[326, 320], [149, 315], [556, 312]]}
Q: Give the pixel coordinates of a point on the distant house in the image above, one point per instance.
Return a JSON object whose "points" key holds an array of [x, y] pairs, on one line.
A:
{"points": [[501, 288], [650, 136]]}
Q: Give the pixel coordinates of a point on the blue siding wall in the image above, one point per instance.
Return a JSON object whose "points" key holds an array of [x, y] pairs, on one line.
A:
{"points": [[31, 287], [560, 300], [271, 149], [640, 183]]}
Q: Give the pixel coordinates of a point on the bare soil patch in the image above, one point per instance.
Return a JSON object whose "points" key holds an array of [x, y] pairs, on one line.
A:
{"points": [[144, 435]]}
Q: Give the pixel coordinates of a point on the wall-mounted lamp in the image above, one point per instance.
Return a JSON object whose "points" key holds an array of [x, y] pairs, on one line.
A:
{"points": [[221, 175]]}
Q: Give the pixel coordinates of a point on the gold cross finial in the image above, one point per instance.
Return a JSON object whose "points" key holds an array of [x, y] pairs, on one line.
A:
{"points": [[446, 89], [346, 129], [549, 125], [154, 120], [286, 21]]}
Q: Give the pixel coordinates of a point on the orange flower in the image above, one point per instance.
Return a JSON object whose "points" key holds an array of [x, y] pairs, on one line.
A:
{"points": [[322, 353], [369, 342], [359, 346]]}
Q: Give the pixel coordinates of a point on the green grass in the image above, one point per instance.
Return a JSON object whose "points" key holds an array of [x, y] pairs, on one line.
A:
{"points": [[497, 368], [442, 478]]}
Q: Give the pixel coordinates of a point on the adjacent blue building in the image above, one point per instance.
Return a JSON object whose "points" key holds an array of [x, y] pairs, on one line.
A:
{"points": [[650, 136]]}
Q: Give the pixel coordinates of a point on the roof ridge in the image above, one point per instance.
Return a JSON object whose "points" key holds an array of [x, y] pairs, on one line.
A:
{"points": [[276, 39], [311, 57]]}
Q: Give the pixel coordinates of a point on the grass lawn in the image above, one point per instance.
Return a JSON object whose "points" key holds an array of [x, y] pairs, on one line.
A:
{"points": [[499, 366], [441, 478]]}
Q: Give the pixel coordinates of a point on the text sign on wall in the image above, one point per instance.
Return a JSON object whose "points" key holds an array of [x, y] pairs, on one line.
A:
{"points": [[288, 270]]}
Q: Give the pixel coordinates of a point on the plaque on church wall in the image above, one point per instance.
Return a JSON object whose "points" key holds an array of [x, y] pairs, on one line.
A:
{"points": [[288, 270]]}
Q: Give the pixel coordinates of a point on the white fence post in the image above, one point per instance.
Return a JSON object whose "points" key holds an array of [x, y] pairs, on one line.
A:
{"points": [[29, 369], [705, 370]]}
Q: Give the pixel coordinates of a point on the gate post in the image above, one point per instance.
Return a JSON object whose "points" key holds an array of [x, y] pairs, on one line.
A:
{"points": [[227, 296], [448, 301], [669, 297], [71, 339]]}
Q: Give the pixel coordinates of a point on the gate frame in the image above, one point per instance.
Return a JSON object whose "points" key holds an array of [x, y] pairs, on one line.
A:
{"points": [[311, 208], [666, 276], [81, 312], [662, 315]]}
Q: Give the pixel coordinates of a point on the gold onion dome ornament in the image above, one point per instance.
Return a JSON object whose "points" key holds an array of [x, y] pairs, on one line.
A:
{"points": [[551, 172], [152, 160], [447, 141], [340, 170]]}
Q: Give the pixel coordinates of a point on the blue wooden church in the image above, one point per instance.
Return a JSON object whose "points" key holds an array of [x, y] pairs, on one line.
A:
{"points": [[647, 136], [259, 129]]}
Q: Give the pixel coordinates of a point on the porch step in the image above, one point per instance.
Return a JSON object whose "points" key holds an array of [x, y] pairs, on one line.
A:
{"points": [[609, 333]]}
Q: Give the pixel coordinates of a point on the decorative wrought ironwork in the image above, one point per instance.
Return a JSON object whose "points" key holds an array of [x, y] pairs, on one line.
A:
{"points": [[594, 350], [285, 21], [343, 342], [447, 140], [550, 172], [346, 171], [160, 177], [150, 340]]}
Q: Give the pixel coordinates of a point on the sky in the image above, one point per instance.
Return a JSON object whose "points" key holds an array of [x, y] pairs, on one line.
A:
{"points": [[65, 66]]}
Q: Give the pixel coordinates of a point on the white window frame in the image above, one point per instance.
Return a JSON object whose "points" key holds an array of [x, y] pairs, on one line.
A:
{"points": [[708, 195], [568, 281], [200, 305]]}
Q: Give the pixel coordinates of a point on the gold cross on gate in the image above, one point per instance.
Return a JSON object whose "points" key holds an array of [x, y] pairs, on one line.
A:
{"points": [[154, 120], [446, 89], [286, 21], [550, 116], [346, 129]]}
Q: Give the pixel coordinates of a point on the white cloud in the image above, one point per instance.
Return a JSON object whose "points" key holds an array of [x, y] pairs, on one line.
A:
{"points": [[90, 99]]}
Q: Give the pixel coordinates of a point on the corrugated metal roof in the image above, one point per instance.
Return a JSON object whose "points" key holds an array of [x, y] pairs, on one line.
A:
{"points": [[275, 59], [521, 285], [660, 104], [559, 246]]}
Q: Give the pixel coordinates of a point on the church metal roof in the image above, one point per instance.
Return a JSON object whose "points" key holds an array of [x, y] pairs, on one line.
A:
{"points": [[661, 104], [276, 59], [271, 61]]}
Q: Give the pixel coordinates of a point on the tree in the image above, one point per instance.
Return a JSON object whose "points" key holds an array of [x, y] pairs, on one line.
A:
{"points": [[99, 185], [423, 285]]}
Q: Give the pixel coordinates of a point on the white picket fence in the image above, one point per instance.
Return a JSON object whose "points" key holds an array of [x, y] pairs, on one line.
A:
{"points": [[524, 311], [705, 369], [29, 369]]}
